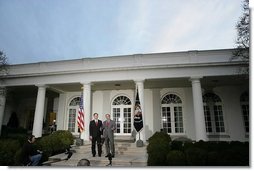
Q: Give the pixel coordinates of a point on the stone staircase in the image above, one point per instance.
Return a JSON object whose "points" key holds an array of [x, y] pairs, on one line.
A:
{"points": [[127, 155]]}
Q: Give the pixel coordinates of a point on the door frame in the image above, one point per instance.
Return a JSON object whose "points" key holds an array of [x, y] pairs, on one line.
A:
{"points": [[122, 107]]}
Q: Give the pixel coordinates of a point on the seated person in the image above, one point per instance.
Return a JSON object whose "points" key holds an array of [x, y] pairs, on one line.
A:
{"points": [[30, 156]]}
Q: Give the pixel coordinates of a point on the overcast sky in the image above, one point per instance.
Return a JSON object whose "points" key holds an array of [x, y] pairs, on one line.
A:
{"points": [[48, 30]]}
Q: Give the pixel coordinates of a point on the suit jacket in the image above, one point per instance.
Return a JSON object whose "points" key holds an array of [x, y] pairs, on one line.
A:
{"points": [[94, 130], [109, 128]]}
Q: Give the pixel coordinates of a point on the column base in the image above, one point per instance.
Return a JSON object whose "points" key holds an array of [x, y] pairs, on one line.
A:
{"points": [[79, 142], [139, 143]]}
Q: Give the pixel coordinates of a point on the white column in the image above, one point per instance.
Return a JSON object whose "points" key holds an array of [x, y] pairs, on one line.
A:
{"points": [[198, 110], [39, 111], [87, 110], [2, 105], [140, 85]]}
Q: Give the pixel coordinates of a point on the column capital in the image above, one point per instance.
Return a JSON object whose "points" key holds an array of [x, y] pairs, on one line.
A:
{"points": [[139, 81], [3, 91], [196, 78], [86, 83], [41, 85]]}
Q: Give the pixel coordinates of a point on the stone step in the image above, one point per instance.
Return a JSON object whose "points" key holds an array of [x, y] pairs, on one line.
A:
{"points": [[131, 147], [103, 161], [117, 149], [88, 153], [127, 139], [127, 154]]}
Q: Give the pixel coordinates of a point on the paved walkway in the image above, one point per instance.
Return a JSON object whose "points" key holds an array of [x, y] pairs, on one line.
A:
{"points": [[127, 155]]}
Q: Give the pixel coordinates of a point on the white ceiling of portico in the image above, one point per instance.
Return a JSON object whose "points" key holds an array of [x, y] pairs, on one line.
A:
{"points": [[153, 83], [55, 89]]}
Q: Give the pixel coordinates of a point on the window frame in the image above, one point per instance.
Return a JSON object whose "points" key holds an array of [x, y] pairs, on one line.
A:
{"points": [[211, 103], [172, 104]]}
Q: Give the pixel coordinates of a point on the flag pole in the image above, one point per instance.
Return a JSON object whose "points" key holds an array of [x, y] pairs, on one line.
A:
{"points": [[79, 133], [80, 117], [138, 121]]}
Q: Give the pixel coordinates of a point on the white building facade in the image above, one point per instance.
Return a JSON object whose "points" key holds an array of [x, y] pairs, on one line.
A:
{"points": [[199, 95]]}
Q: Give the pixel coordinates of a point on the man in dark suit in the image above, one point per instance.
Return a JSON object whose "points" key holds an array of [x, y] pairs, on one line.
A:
{"points": [[95, 132], [109, 126]]}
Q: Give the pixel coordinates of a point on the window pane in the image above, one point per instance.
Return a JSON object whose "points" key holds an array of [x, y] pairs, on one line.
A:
{"points": [[122, 100], [166, 118], [219, 121], [208, 121], [72, 120], [245, 113], [127, 120], [178, 119]]}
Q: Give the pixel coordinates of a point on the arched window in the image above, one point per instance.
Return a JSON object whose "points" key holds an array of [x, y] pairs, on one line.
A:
{"points": [[172, 114], [122, 100], [213, 112], [244, 101], [75, 102], [121, 112], [73, 114]]}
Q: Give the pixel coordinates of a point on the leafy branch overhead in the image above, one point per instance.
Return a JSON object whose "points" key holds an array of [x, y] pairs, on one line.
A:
{"points": [[3, 63], [243, 34]]}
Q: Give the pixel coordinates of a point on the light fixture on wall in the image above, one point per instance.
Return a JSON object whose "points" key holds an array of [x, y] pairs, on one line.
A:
{"points": [[117, 86]]}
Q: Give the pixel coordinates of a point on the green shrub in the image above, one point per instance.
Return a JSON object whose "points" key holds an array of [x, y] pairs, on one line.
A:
{"points": [[8, 148], [6, 131], [187, 145], [196, 156], [176, 158], [65, 137], [222, 153], [177, 145], [160, 135], [158, 148], [17, 158], [233, 157], [213, 159], [242, 151], [47, 145], [55, 143], [201, 144], [229, 157], [222, 145]]}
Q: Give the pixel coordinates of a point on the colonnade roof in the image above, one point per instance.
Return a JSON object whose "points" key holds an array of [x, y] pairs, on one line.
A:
{"points": [[157, 69], [137, 61]]}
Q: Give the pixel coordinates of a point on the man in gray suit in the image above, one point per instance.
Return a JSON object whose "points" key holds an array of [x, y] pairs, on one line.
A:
{"points": [[109, 127]]}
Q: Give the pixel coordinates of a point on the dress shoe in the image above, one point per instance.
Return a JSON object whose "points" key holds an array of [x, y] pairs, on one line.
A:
{"points": [[93, 155], [106, 156], [99, 155]]}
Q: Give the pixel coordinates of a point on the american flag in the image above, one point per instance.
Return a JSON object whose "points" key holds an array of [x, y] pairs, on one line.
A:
{"points": [[81, 114]]}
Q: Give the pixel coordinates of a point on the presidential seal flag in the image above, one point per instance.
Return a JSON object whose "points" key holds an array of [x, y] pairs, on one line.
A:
{"points": [[138, 119]]}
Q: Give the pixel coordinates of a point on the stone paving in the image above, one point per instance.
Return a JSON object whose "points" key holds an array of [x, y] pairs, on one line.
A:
{"points": [[127, 155]]}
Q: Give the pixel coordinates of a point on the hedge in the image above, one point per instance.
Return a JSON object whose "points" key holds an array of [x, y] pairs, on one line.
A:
{"points": [[164, 152], [158, 148], [55, 143]]}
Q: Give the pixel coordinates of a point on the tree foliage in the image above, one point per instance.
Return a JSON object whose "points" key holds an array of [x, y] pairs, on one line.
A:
{"points": [[3, 63], [243, 34]]}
